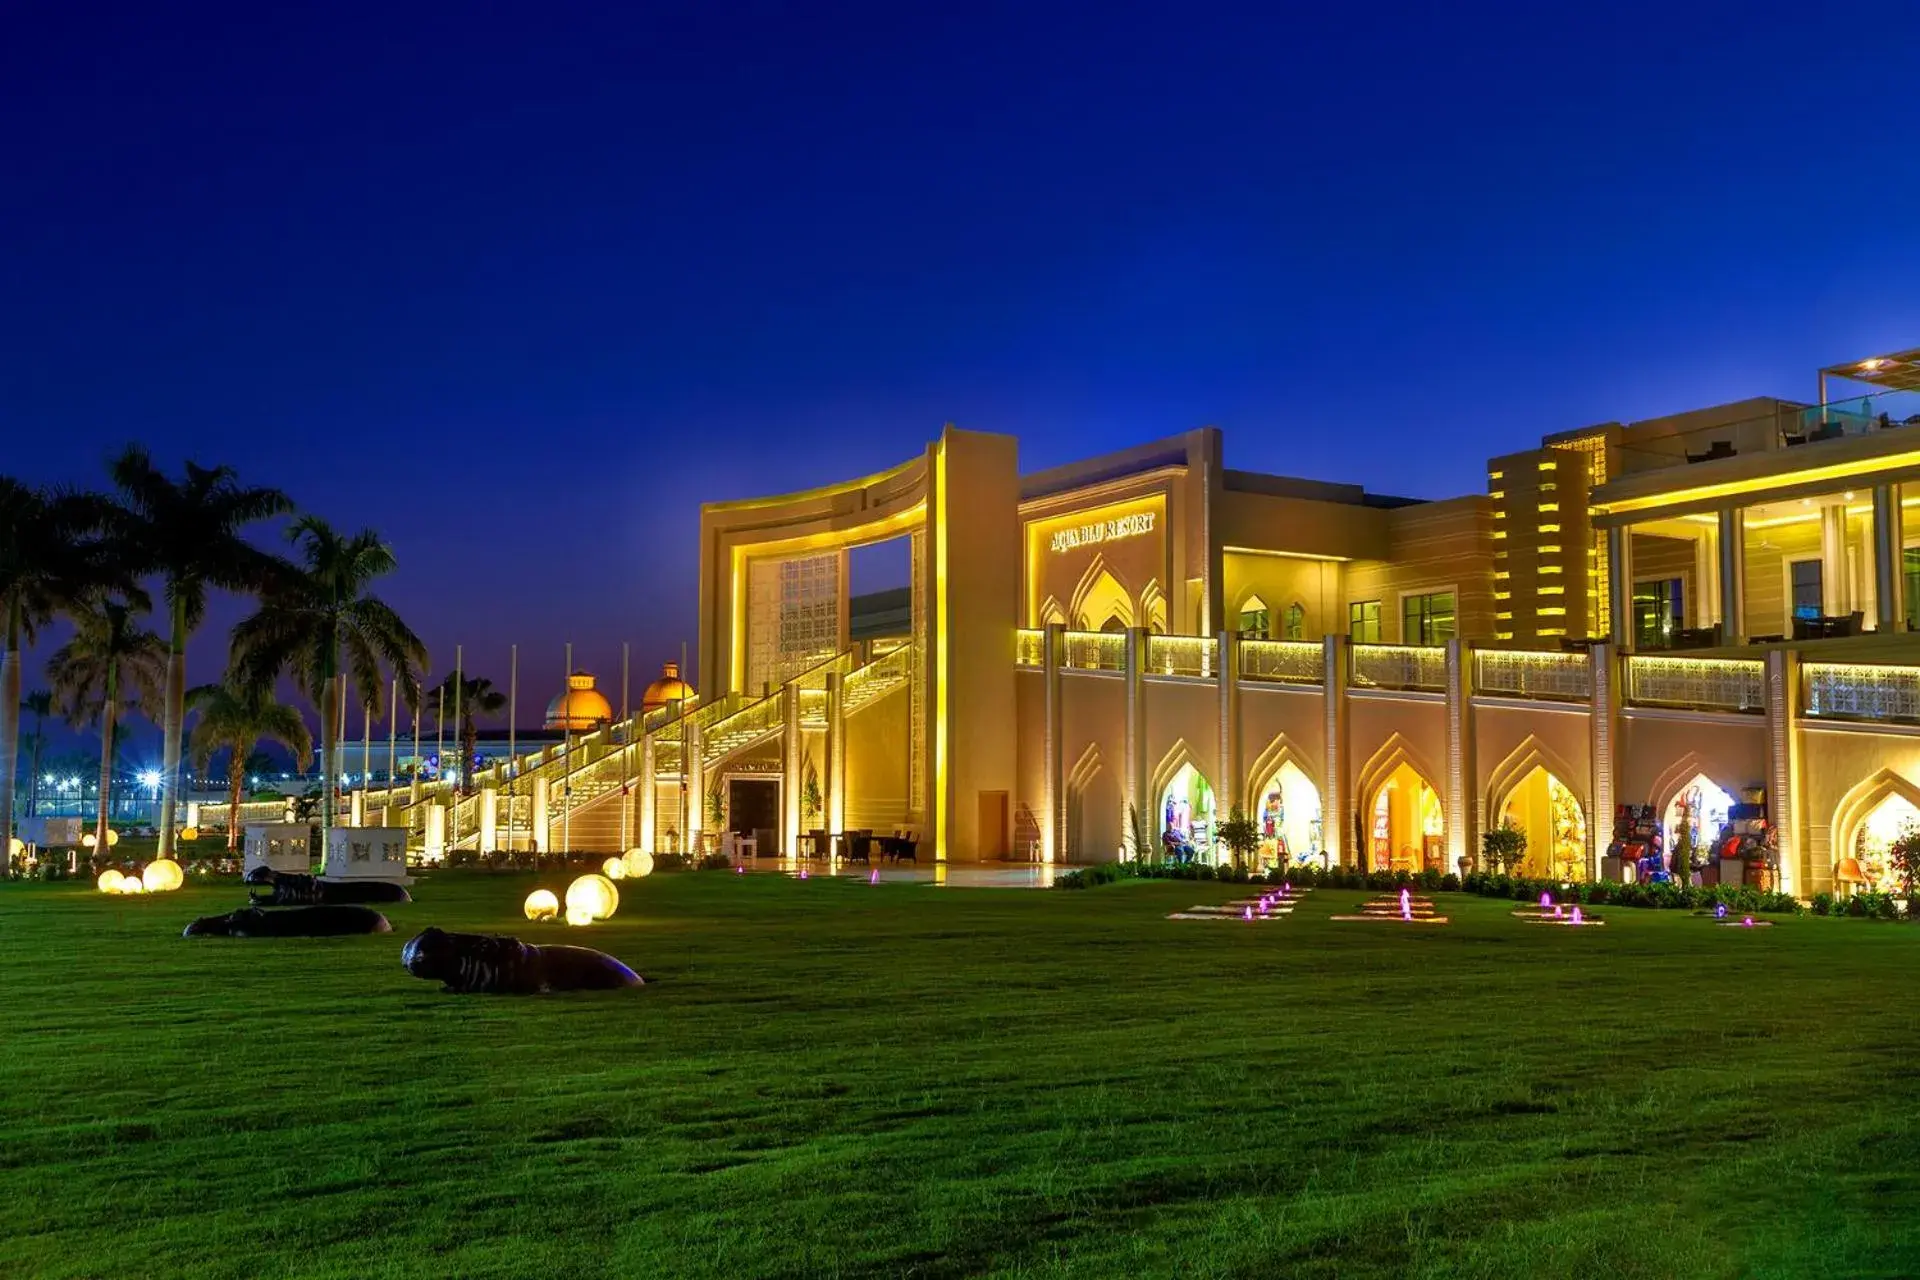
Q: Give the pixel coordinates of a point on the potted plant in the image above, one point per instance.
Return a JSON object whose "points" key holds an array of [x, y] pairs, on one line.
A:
{"points": [[1241, 835], [1505, 847]]}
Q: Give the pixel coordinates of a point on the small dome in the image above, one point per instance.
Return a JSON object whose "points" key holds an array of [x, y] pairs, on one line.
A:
{"points": [[669, 688], [580, 708]]}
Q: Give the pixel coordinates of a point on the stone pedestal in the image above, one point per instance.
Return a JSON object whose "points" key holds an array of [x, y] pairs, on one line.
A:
{"points": [[283, 847], [366, 853]]}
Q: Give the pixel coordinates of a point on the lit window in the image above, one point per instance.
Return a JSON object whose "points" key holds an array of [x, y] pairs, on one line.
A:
{"points": [[1296, 621], [1496, 475], [1503, 617], [1499, 533], [1503, 595], [1549, 528], [1363, 622], [1548, 486], [1559, 611], [1427, 619], [1549, 548], [1551, 631], [1806, 588], [1549, 465], [1550, 568], [1499, 515], [1503, 635], [1553, 591], [1549, 506], [1255, 622]]}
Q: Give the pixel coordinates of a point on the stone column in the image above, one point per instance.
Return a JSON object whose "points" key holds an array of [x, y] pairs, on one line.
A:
{"points": [[693, 768], [1140, 806], [792, 760], [1620, 584], [1227, 672], [1732, 537], [1783, 774], [357, 809], [488, 821], [1462, 800], [835, 801], [1604, 749], [1336, 799], [649, 795], [1053, 837], [1889, 560], [436, 831], [1706, 581], [1836, 587], [539, 824]]}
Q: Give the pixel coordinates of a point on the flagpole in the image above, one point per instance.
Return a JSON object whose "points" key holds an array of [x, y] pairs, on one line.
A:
{"points": [[566, 788], [414, 781], [366, 756], [459, 733], [686, 765], [626, 746], [393, 732], [513, 711]]}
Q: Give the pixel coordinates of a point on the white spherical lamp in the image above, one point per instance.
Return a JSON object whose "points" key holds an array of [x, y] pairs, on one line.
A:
{"points": [[132, 884], [541, 905], [639, 863], [162, 875], [109, 881], [113, 837], [592, 896], [614, 869], [581, 918], [89, 840]]}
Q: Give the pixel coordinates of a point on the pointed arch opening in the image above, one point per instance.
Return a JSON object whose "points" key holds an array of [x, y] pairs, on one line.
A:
{"points": [[1536, 789], [1287, 809], [1870, 817], [1093, 805], [1402, 818], [1256, 620], [1184, 807], [1101, 602]]}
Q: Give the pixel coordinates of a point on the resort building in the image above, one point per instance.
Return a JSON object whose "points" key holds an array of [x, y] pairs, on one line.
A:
{"points": [[1707, 617]]}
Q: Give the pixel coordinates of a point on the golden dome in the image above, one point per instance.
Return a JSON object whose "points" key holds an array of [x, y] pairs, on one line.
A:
{"points": [[669, 688], [580, 708]]}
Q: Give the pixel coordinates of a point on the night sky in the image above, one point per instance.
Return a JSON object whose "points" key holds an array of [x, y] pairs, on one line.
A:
{"points": [[520, 286]]}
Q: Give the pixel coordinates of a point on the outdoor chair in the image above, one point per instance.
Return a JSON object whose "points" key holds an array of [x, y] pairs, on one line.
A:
{"points": [[904, 847]]}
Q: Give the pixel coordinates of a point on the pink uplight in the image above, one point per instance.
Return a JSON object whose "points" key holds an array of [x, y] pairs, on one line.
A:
{"points": [[1576, 916], [874, 876], [1247, 913], [1546, 900], [1406, 905]]}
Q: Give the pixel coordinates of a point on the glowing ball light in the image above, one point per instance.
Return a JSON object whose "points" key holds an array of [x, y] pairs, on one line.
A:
{"points": [[113, 837], [109, 881], [132, 884], [542, 905], [16, 846], [88, 840], [578, 917], [189, 833], [593, 897], [162, 875], [639, 863], [614, 869]]}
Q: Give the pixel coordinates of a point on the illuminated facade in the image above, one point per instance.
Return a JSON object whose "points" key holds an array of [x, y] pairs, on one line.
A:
{"points": [[1708, 614]]}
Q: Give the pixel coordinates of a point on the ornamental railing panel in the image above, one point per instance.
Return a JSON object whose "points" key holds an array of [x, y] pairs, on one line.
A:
{"points": [[1562, 677], [1029, 648], [1180, 656], [1096, 651], [1283, 661], [1860, 691], [1399, 666], [1706, 684], [877, 679]]}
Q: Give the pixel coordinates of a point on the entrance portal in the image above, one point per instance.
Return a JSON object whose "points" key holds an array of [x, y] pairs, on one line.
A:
{"points": [[1543, 807], [1289, 817], [1871, 866], [1406, 831], [753, 807], [1187, 816]]}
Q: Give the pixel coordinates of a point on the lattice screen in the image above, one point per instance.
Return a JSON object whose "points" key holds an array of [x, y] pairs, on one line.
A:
{"points": [[793, 617]]}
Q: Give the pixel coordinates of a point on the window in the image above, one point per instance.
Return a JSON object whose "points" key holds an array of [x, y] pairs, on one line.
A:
{"points": [[1426, 619], [1910, 566], [1657, 609], [1807, 602], [1255, 624], [1296, 621], [1363, 622]]}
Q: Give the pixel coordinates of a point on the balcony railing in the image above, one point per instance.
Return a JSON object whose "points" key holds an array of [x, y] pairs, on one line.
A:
{"points": [[1858, 691], [1096, 651], [1180, 656], [1562, 677], [1707, 684], [1029, 647], [1399, 666], [1283, 661]]}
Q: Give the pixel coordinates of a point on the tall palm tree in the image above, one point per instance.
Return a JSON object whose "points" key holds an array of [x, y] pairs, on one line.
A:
{"points": [[474, 695], [234, 718], [112, 660], [40, 703], [318, 622], [49, 559], [188, 531]]}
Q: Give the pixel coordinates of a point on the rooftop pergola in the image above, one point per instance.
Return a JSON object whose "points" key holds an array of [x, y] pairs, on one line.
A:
{"points": [[1897, 371]]}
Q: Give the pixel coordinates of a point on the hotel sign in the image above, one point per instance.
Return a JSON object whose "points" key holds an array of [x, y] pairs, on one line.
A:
{"points": [[1088, 535]]}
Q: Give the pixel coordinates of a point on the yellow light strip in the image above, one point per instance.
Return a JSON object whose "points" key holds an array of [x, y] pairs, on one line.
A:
{"points": [[1284, 555], [1729, 488], [942, 642]]}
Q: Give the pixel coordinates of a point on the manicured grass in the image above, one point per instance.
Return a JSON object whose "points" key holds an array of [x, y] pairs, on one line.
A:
{"points": [[831, 1078]]}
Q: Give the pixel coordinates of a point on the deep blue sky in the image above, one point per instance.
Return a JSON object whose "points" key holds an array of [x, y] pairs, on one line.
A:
{"points": [[521, 285]]}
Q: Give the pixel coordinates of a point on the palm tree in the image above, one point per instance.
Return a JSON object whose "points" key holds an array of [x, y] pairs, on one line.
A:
{"points": [[40, 703], [472, 695], [234, 718], [318, 622], [110, 657], [188, 531], [49, 559]]}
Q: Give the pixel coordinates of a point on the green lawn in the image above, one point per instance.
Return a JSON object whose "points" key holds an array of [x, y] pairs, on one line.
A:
{"points": [[830, 1078]]}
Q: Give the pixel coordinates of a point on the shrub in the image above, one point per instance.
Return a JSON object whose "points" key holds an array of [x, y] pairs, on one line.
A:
{"points": [[1505, 847], [712, 862], [1241, 835], [1822, 904]]}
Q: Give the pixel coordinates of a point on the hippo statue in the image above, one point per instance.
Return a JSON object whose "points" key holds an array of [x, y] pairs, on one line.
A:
{"points": [[294, 922], [286, 889], [493, 964]]}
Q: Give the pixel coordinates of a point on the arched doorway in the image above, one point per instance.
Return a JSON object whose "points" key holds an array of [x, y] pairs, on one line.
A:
{"points": [[1868, 865], [1543, 806], [1406, 830], [1187, 815], [1698, 811], [1289, 817]]}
